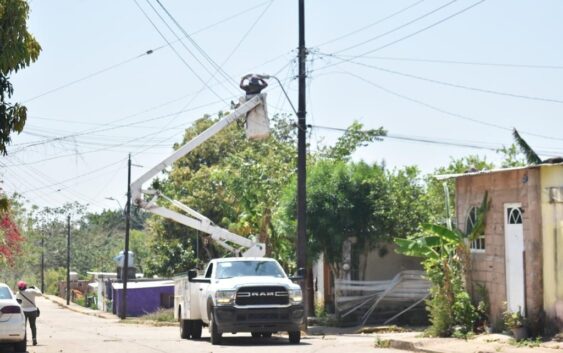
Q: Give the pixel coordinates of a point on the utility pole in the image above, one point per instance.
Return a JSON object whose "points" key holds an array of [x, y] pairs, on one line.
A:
{"points": [[125, 269], [68, 262], [42, 262], [302, 159]]}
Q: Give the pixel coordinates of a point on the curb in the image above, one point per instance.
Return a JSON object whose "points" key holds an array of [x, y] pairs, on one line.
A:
{"points": [[408, 346], [79, 309]]}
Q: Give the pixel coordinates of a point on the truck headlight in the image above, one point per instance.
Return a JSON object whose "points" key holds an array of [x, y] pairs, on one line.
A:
{"points": [[225, 297], [295, 296]]}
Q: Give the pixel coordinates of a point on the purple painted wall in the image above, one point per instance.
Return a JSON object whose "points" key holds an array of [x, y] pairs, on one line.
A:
{"points": [[140, 301]]}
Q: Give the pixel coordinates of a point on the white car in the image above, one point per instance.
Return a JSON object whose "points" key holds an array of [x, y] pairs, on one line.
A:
{"points": [[12, 320]]}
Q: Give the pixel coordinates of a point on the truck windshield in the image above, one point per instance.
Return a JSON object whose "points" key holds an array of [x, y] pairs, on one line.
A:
{"points": [[249, 268]]}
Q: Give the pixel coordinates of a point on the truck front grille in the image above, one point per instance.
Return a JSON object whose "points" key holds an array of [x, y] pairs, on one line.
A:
{"points": [[262, 295]]}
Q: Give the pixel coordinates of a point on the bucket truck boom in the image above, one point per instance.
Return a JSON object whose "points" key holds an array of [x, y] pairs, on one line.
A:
{"points": [[253, 108]]}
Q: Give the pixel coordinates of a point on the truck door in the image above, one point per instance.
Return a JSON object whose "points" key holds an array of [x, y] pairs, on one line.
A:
{"points": [[204, 292]]}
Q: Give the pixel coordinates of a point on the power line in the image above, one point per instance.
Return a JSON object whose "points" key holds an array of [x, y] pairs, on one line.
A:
{"points": [[443, 111], [148, 52], [95, 150], [95, 171], [456, 85], [456, 62], [84, 78], [370, 24], [342, 60], [217, 68], [397, 28], [109, 127], [176, 52], [430, 140]]}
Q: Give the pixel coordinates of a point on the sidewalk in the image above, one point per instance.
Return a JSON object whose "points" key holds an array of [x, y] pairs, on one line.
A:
{"points": [[79, 309], [412, 341]]}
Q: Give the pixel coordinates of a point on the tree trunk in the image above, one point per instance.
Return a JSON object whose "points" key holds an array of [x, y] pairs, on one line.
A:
{"points": [[264, 236]]}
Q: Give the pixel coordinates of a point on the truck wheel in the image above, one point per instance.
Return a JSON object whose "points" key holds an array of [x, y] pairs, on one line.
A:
{"points": [[294, 337], [255, 334], [266, 334], [215, 335], [185, 331], [196, 329]]}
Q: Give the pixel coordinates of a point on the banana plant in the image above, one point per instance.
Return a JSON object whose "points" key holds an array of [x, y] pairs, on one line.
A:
{"points": [[446, 260]]}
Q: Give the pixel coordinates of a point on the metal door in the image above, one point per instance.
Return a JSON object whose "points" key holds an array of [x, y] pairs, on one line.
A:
{"points": [[514, 256]]}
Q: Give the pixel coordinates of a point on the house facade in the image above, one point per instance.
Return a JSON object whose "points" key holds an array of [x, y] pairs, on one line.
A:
{"points": [[519, 258]]}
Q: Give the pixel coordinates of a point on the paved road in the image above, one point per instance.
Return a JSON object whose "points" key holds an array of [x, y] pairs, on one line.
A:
{"points": [[61, 330]]}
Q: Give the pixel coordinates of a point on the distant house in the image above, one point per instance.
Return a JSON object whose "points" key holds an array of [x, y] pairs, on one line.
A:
{"points": [[383, 281], [519, 258]]}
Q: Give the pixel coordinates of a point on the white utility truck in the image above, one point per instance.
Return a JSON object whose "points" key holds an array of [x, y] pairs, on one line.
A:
{"points": [[239, 294], [245, 293]]}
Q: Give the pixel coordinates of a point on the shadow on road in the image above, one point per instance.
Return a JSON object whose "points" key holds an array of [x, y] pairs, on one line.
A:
{"points": [[254, 342]]}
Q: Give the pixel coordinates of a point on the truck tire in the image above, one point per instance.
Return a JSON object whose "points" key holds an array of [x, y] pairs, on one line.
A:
{"points": [[215, 335], [255, 334], [294, 337], [266, 334], [196, 329], [185, 329]]}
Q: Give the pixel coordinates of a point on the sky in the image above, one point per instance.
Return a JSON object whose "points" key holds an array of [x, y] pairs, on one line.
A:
{"points": [[445, 78]]}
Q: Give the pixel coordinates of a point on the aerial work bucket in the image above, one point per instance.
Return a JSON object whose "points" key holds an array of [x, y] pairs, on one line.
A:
{"points": [[257, 123]]}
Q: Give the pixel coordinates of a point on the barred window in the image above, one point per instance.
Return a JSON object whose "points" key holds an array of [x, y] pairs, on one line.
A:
{"points": [[478, 244]]}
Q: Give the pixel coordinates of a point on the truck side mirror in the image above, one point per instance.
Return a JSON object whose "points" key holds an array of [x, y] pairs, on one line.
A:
{"points": [[192, 274], [299, 275]]}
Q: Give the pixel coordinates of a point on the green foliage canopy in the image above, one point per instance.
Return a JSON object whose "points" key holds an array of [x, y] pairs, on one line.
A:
{"points": [[18, 49]]}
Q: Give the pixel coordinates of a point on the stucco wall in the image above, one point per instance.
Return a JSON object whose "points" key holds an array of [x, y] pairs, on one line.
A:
{"points": [[488, 268], [552, 224], [386, 267], [141, 301]]}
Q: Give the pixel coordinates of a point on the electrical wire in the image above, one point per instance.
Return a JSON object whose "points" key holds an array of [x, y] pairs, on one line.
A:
{"points": [[395, 29], [94, 74], [176, 52], [430, 140], [195, 44], [219, 68], [456, 62], [381, 20], [148, 52], [135, 139], [460, 86], [440, 110], [109, 127], [455, 14]]}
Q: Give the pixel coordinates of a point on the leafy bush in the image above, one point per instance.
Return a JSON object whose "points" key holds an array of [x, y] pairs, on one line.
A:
{"points": [[513, 319]]}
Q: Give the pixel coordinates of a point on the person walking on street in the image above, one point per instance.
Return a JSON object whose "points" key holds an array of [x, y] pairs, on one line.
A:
{"points": [[26, 298]]}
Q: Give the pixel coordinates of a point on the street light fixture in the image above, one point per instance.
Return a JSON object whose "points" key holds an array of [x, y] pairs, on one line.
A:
{"points": [[116, 200]]}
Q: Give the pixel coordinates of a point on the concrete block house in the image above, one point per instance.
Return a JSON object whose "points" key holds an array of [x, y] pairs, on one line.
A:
{"points": [[519, 258]]}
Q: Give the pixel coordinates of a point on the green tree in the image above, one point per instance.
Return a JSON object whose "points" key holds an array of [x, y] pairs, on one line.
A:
{"points": [[18, 49], [436, 194], [512, 157], [355, 200], [231, 180], [354, 137]]}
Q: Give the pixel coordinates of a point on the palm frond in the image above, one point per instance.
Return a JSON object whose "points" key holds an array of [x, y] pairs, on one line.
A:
{"points": [[531, 155]]}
